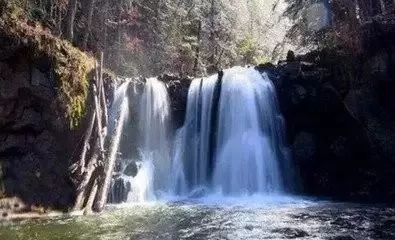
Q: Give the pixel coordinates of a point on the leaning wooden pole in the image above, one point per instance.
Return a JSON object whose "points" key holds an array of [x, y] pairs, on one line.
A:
{"points": [[91, 198], [99, 121], [82, 190], [86, 146], [90, 169], [102, 96], [116, 135]]}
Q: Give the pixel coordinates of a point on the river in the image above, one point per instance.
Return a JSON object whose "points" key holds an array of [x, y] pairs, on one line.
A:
{"points": [[275, 218]]}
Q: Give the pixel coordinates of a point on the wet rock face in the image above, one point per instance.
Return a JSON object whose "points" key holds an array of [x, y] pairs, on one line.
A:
{"points": [[338, 124], [34, 138], [178, 92], [131, 169], [119, 191]]}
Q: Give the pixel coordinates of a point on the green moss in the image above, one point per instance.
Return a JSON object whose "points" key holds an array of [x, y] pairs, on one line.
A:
{"points": [[70, 65], [72, 74]]}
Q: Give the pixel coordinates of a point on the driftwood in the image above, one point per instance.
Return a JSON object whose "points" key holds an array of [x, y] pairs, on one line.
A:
{"points": [[102, 97], [82, 191], [92, 159], [91, 199], [104, 186], [86, 145], [105, 110], [95, 166], [99, 126]]}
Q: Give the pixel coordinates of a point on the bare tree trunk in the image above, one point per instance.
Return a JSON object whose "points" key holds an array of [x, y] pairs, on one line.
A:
{"points": [[88, 28], [212, 37], [94, 179], [104, 185], [87, 176], [59, 22], [104, 22], [99, 121], [119, 38], [91, 199], [86, 145], [70, 18], [197, 56], [105, 110], [103, 94]]}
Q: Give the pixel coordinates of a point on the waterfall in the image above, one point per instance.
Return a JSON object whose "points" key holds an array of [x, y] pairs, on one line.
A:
{"points": [[118, 116], [154, 122], [246, 160], [193, 140], [231, 142], [144, 163]]}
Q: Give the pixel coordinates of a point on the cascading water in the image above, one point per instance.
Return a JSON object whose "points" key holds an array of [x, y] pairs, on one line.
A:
{"points": [[145, 170], [154, 121], [246, 160], [118, 116], [231, 141], [193, 145]]}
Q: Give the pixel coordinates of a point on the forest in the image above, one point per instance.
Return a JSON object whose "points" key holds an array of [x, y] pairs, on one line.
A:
{"points": [[198, 37]]}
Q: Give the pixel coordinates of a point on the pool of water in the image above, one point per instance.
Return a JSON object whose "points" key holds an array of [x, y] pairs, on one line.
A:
{"points": [[284, 218]]}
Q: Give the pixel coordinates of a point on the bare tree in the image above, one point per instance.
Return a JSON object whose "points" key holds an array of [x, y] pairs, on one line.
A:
{"points": [[70, 19], [90, 5]]}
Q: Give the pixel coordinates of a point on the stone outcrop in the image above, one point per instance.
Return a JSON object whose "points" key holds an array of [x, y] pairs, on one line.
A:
{"points": [[178, 88], [43, 92], [34, 137], [340, 123]]}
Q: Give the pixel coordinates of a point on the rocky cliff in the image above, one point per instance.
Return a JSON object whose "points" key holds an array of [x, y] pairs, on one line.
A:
{"points": [[43, 95], [340, 122]]}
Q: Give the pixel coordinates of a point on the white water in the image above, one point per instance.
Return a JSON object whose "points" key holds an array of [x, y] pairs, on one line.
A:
{"points": [[233, 146], [246, 162], [154, 121], [118, 115], [231, 143], [153, 158], [142, 186], [192, 150]]}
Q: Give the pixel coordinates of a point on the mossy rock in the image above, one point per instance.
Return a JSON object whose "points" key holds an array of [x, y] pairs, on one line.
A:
{"points": [[71, 67]]}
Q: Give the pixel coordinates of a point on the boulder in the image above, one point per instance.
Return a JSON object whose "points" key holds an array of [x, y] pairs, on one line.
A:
{"points": [[131, 169], [340, 132], [304, 148]]}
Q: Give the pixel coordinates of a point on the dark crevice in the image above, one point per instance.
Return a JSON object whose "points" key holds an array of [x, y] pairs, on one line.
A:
{"points": [[214, 124]]}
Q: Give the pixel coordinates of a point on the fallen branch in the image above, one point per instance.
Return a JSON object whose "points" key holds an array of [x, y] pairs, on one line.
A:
{"points": [[91, 199], [104, 186], [86, 145]]}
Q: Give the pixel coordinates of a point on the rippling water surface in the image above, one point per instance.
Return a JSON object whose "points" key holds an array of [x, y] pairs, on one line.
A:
{"points": [[280, 218]]}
